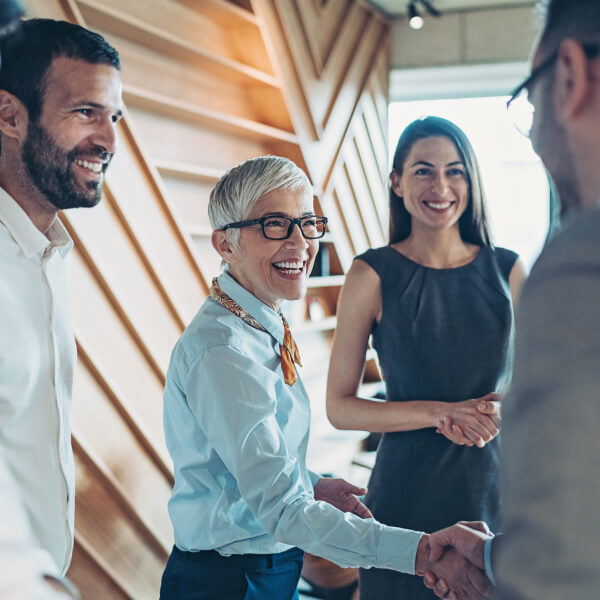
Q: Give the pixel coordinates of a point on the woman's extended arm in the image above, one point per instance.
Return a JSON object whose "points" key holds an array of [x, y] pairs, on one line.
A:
{"points": [[359, 308]]}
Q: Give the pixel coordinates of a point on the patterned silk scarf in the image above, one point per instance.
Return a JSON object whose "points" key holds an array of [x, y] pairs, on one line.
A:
{"points": [[289, 349]]}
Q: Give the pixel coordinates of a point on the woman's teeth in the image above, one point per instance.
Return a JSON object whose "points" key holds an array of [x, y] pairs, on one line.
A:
{"points": [[439, 205], [289, 267]]}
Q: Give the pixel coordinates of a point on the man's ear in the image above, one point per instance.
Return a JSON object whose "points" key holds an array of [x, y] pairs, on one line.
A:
{"points": [[13, 117], [574, 81], [223, 246], [396, 183]]}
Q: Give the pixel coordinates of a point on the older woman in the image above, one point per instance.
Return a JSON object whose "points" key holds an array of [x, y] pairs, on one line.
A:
{"points": [[236, 415], [438, 301]]}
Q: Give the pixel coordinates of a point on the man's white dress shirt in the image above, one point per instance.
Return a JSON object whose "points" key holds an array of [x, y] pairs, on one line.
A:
{"points": [[23, 566], [37, 358]]}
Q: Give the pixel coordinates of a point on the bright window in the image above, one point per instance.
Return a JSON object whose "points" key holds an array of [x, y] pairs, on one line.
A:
{"points": [[514, 179]]}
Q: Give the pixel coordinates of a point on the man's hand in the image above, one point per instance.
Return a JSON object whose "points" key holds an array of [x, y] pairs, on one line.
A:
{"points": [[453, 573], [466, 537], [342, 495]]}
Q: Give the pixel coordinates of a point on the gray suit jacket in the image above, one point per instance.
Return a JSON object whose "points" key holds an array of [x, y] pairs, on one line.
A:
{"points": [[551, 426]]}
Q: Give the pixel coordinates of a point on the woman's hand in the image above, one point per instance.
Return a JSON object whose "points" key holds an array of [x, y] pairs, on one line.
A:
{"points": [[342, 495], [472, 422]]}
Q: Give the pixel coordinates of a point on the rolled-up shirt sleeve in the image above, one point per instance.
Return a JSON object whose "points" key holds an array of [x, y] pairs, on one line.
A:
{"points": [[242, 423]]}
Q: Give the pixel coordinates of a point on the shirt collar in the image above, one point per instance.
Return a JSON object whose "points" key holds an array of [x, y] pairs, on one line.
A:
{"points": [[28, 237], [266, 316]]}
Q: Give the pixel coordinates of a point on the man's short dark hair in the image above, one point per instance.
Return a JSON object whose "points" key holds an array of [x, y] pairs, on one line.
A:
{"points": [[577, 19], [28, 53]]}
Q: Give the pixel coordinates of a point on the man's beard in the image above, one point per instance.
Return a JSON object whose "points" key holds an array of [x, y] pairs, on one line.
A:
{"points": [[49, 168]]}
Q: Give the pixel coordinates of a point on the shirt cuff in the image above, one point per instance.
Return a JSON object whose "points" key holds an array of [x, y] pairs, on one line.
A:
{"points": [[487, 560], [398, 549], [314, 477]]}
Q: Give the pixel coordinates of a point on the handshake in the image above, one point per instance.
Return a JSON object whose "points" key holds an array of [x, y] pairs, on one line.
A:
{"points": [[452, 563]]}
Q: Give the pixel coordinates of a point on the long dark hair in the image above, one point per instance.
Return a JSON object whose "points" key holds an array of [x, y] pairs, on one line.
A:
{"points": [[473, 224]]}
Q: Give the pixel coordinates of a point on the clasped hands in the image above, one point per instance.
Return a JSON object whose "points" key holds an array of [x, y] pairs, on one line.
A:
{"points": [[451, 561], [471, 422]]}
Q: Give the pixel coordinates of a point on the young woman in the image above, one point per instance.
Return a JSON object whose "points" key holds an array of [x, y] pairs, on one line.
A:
{"points": [[438, 301]]}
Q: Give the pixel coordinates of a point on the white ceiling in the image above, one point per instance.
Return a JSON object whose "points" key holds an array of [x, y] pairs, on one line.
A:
{"points": [[397, 8]]}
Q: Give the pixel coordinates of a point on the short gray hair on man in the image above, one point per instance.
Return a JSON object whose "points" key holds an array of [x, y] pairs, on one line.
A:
{"points": [[234, 195]]}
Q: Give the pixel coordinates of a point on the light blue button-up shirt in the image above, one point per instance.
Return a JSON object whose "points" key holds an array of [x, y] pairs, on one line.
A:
{"points": [[238, 435]]}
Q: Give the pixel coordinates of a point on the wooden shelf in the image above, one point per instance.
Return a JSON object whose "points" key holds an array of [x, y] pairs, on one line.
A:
{"points": [[188, 171], [224, 13], [121, 24], [168, 106], [330, 281]]}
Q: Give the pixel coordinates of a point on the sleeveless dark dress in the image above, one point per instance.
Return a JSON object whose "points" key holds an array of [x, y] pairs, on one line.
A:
{"points": [[445, 334]]}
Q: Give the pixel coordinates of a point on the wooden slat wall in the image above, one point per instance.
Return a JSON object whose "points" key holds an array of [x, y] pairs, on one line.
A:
{"points": [[207, 84]]}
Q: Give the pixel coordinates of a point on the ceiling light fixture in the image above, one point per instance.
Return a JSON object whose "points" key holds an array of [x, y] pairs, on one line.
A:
{"points": [[415, 20]]}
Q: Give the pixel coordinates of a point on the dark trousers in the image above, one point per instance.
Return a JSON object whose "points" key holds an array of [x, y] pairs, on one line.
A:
{"points": [[207, 575]]}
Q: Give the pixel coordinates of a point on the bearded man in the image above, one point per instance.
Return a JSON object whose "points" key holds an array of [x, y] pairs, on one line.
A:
{"points": [[60, 100]]}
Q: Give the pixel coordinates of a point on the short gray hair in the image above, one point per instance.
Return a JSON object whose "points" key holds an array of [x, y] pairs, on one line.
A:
{"points": [[234, 195]]}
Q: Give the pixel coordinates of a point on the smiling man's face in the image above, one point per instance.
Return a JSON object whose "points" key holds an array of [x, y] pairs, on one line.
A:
{"points": [[68, 149]]}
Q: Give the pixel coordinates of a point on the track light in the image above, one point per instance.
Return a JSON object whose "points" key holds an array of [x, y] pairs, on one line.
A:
{"points": [[432, 10], [415, 20]]}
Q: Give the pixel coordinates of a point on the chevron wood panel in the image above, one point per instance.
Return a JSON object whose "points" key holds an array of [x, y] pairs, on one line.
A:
{"points": [[95, 578], [119, 356], [207, 85], [134, 564], [122, 453]]}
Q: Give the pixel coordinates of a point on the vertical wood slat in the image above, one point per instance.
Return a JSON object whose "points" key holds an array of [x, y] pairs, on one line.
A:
{"points": [[362, 193], [346, 103], [284, 61], [377, 186], [350, 211]]}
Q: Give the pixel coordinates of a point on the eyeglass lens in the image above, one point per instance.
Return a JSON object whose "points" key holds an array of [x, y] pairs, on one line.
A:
{"points": [[278, 228]]}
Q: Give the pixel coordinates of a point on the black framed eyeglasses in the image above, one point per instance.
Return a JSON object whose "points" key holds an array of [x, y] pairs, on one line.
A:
{"points": [[280, 228], [519, 105]]}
